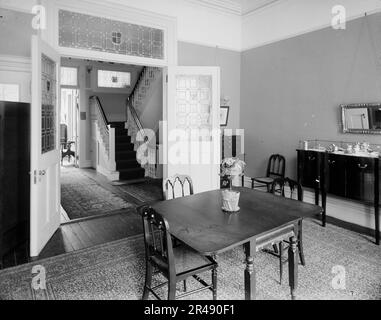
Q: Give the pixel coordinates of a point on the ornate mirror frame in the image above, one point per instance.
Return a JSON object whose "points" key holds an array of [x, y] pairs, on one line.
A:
{"points": [[356, 106]]}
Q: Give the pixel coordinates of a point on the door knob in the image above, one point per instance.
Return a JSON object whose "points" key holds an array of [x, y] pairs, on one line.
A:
{"points": [[42, 172]]}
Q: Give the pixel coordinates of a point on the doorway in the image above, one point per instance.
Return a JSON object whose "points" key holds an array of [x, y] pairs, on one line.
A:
{"points": [[69, 126]]}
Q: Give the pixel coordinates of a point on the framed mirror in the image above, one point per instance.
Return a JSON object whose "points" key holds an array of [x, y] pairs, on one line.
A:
{"points": [[361, 118]]}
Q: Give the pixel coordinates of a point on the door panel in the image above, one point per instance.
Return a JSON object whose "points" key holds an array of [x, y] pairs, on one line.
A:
{"points": [[45, 156], [193, 144]]}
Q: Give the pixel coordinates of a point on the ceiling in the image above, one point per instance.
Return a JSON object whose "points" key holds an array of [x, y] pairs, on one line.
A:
{"points": [[239, 7]]}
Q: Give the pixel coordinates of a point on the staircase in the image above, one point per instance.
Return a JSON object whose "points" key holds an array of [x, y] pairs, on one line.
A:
{"points": [[125, 156]]}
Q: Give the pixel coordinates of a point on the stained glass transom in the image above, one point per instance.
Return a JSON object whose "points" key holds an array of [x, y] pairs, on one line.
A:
{"points": [[193, 102], [48, 104], [83, 31]]}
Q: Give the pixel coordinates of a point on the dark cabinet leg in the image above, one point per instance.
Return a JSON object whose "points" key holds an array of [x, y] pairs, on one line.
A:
{"points": [[317, 196], [324, 206], [250, 281]]}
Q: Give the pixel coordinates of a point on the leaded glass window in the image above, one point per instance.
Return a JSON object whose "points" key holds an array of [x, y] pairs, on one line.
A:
{"points": [[48, 104], [113, 79], [193, 102], [82, 31], [69, 76]]}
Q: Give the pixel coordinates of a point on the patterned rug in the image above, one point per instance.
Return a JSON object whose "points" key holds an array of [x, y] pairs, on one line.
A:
{"points": [[116, 271], [82, 196], [84, 193]]}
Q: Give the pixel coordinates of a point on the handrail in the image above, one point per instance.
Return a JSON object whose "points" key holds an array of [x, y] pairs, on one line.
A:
{"points": [[100, 107], [136, 119]]}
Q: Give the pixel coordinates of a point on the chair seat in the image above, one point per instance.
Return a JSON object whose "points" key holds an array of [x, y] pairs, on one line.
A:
{"points": [[265, 180], [187, 259]]}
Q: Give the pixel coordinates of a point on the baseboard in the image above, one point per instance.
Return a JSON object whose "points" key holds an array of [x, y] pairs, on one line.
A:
{"points": [[86, 164], [351, 226], [345, 213]]}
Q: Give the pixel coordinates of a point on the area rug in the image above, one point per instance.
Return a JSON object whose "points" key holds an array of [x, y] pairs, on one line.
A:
{"points": [[116, 271], [82, 196], [145, 191]]}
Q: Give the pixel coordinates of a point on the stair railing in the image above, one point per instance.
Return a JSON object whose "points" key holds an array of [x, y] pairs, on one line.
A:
{"points": [[106, 133], [139, 137]]}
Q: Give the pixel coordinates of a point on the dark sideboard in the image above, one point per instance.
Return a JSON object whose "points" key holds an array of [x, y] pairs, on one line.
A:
{"points": [[349, 176]]}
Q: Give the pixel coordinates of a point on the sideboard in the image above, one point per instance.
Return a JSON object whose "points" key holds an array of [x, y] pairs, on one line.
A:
{"points": [[351, 176]]}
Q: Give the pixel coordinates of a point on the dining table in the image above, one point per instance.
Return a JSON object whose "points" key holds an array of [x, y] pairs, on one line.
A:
{"points": [[263, 219]]}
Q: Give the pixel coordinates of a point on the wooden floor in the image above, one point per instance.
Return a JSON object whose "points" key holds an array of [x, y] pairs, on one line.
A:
{"points": [[80, 234]]}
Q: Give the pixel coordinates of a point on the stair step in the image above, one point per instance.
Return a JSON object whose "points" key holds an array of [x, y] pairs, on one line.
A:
{"points": [[122, 139], [125, 155], [117, 125], [128, 174], [127, 164], [121, 131], [124, 146]]}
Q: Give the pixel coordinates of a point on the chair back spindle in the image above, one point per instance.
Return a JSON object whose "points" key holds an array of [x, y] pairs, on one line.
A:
{"points": [[177, 186], [276, 166]]}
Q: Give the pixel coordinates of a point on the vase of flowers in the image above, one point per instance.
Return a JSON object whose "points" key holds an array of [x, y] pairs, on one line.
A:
{"points": [[231, 168]]}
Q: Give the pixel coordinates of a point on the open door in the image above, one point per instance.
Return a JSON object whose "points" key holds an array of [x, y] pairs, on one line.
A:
{"points": [[192, 139], [45, 147]]}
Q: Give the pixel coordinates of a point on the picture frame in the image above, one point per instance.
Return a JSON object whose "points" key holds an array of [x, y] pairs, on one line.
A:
{"points": [[224, 115]]}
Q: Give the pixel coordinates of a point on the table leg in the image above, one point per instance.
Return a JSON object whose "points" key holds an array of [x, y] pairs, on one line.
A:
{"points": [[293, 266], [250, 281]]}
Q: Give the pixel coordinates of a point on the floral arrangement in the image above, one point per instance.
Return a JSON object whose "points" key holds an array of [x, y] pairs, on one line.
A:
{"points": [[232, 167]]}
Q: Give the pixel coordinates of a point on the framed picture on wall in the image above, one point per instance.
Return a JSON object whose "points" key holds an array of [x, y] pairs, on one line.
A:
{"points": [[224, 115]]}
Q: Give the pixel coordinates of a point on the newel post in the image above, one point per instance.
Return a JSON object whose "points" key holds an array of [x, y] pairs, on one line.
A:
{"points": [[112, 162]]}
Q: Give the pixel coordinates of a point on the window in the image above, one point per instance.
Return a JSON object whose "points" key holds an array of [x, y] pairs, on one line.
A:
{"points": [[69, 76], [113, 79], [9, 92]]}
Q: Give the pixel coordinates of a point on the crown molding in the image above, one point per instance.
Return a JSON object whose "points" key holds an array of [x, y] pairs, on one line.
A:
{"points": [[228, 6], [232, 7]]}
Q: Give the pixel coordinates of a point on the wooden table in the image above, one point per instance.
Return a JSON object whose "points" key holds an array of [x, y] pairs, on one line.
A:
{"points": [[199, 222]]}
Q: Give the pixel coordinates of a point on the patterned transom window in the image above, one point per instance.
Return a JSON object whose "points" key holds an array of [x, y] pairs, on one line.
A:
{"points": [[82, 31], [69, 76], [113, 79]]}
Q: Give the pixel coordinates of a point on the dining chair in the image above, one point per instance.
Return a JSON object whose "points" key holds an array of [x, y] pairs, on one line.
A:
{"points": [[276, 168], [291, 189], [177, 186], [174, 263]]}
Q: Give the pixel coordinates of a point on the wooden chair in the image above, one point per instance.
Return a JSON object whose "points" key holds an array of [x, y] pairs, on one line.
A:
{"points": [[177, 186], [276, 168], [288, 188], [174, 263]]}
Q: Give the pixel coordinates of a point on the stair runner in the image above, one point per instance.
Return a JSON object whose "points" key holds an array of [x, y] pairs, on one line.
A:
{"points": [[125, 155]]}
